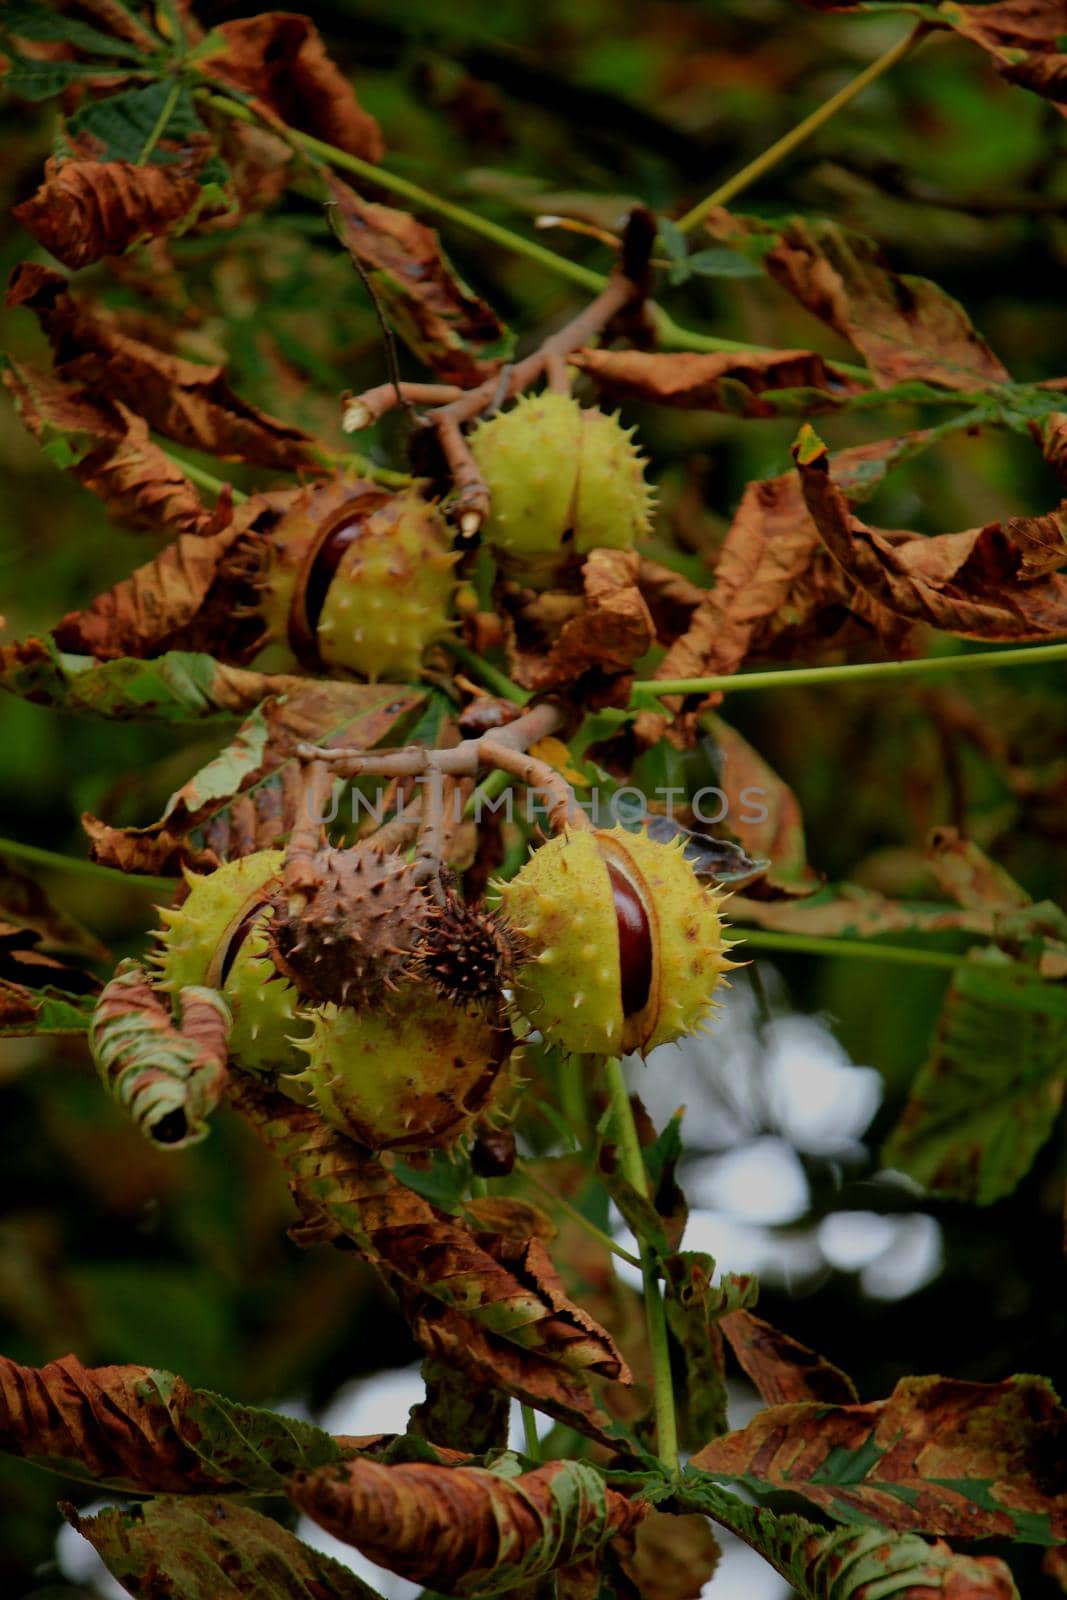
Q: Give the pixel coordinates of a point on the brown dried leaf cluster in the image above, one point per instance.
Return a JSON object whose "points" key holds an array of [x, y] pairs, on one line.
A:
{"points": [[972, 583], [491, 1290], [559, 638], [111, 1425], [773, 581], [111, 453], [187, 401]]}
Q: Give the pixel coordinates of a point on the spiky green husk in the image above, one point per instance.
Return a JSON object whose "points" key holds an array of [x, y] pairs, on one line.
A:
{"points": [[263, 1004], [409, 1077], [563, 480], [571, 986]]}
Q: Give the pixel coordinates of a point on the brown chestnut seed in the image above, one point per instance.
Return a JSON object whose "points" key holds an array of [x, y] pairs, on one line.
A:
{"points": [[493, 1153], [323, 569], [635, 943], [236, 939]]}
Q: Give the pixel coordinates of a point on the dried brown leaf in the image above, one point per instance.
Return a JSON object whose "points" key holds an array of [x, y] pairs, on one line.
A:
{"points": [[782, 1368], [85, 210], [142, 615], [466, 1530], [108, 450], [279, 57], [970, 583], [187, 401], [940, 1456], [558, 638], [772, 576], [445, 324], [509, 1287], [120, 1427], [1025, 39], [905, 327], [723, 381]]}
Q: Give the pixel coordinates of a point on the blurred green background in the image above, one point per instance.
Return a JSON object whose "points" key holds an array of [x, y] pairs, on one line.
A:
{"points": [[514, 109]]}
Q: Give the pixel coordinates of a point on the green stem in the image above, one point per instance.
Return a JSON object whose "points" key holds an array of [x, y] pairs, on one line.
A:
{"points": [[204, 480], [161, 122], [855, 672], [18, 851], [633, 1170], [670, 333], [529, 1429], [489, 675], [382, 178], [796, 136], [577, 1216], [490, 788], [863, 949]]}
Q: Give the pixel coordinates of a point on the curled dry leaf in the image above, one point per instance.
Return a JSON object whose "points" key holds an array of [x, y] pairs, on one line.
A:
{"points": [[442, 321], [772, 576], [466, 1530], [151, 610], [745, 385], [279, 57], [603, 631], [85, 210], [905, 327], [167, 1074], [695, 1306], [510, 1287], [940, 1456], [782, 1368], [108, 449], [970, 583], [187, 401], [118, 1427], [1025, 39]]}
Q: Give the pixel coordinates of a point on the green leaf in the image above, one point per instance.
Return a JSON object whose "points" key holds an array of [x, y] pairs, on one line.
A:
{"points": [[41, 80], [212, 1550], [124, 122], [34, 20], [990, 1092], [43, 1011], [694, 1305], [722, 264], [444, 1182]]}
